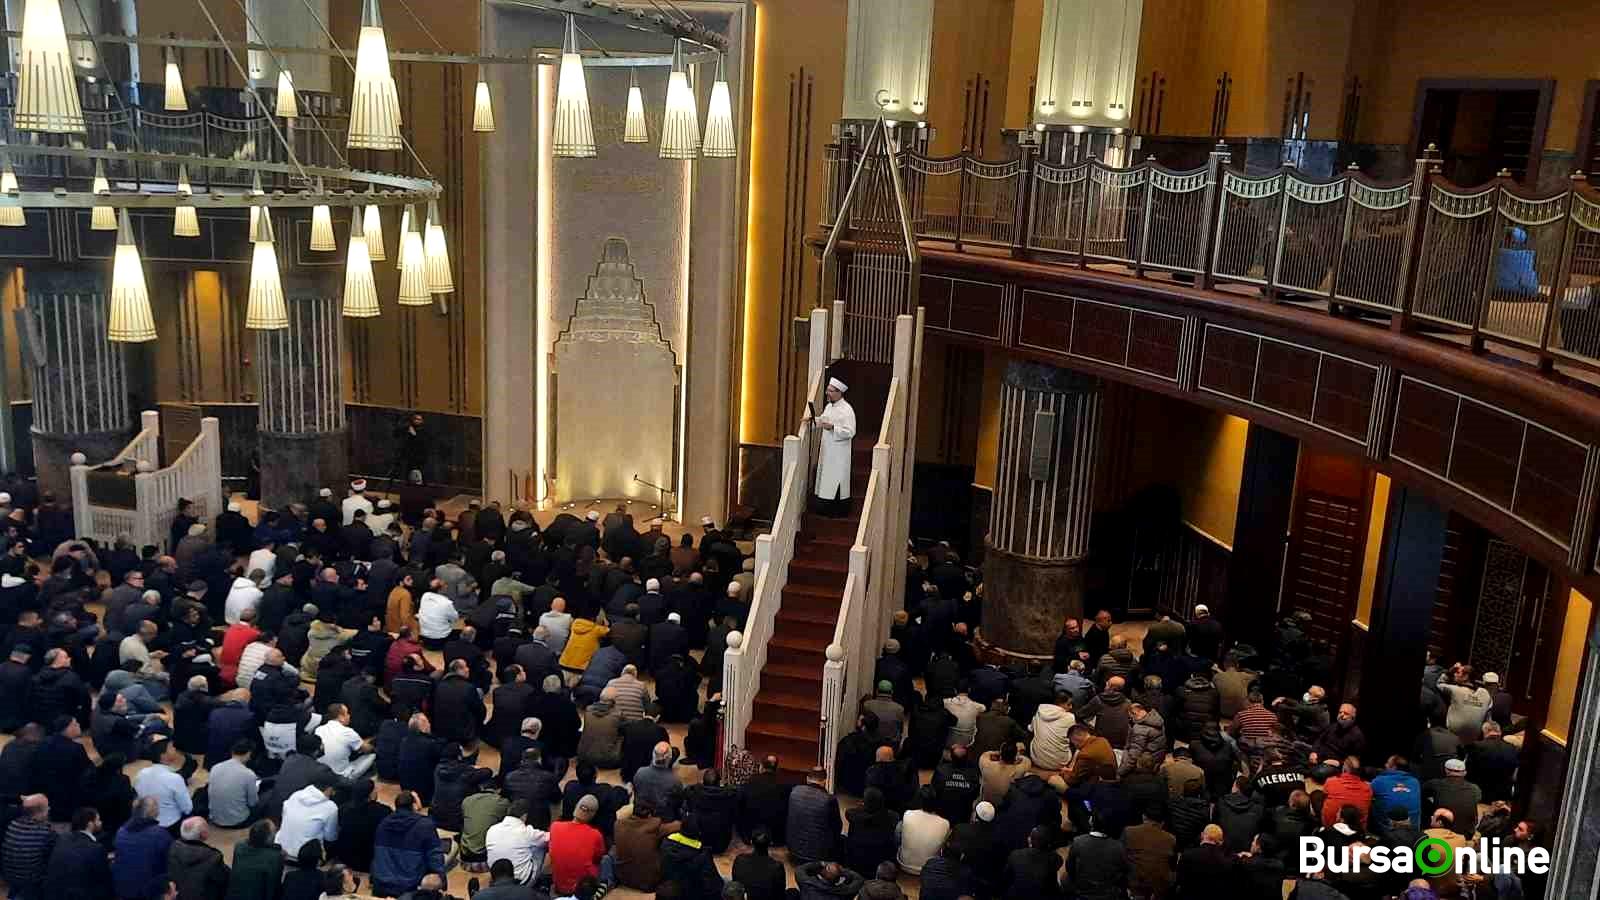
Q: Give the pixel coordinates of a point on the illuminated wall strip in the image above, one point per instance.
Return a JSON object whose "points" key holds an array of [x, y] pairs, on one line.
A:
{"points": [[684, 342], [542, 275], [748, 371]]}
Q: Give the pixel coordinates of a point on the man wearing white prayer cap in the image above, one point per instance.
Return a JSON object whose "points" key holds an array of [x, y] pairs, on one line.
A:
{"points": [[838, 424], [356, 500]]}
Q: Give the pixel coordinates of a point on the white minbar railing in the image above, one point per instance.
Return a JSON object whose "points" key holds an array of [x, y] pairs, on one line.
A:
{"points": [[195, 475], [875, 581], [747, 651]]}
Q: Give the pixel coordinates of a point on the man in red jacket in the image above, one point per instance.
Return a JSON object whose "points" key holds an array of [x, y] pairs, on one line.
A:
{"points": [[578, 850], [1347, 788]]}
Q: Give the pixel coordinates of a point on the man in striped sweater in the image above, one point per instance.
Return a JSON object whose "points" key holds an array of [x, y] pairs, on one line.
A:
{"points": [[26, 852], [633, 700], [1254, 726]]}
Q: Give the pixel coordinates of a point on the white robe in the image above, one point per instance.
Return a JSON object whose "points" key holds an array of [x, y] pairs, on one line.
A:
{"points": [[833, 461]]}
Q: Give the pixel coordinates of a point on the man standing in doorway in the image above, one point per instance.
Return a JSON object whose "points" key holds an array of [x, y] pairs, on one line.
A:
{"points": [[838, 423]]}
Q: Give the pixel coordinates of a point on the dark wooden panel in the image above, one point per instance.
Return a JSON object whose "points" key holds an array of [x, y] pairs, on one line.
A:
{"points": [[237, 424], [1424, 418], [1287, 380], [1484, 460], [1344, 397], [1156, 344], [934, 295], [455, 451], [1046, 321], [977, 307], [760, 470], [1548, 486], [35, 241], [1100, 332], [1228, 363]]}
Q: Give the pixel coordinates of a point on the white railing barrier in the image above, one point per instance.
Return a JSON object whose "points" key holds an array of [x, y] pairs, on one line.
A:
{"points": [[143, 451], [196, 475], [875, 580], [747, 652]]}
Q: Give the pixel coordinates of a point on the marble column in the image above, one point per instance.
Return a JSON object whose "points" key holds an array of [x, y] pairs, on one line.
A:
{"points": [[302, 434], [79, 379], [1402, 611], [1039, 519], [1260, 532]]}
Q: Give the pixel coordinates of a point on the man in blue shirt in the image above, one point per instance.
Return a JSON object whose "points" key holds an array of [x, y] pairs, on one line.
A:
{"points": [[170, 790], [1396, 787]]}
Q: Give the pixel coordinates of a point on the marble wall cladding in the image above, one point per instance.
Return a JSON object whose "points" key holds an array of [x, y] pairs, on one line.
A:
{"points": [[616, 387], [626, 192], [302, 389], [79, 379]]}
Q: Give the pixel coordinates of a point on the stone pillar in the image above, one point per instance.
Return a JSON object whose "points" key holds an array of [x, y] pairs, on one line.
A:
{"points": [[1260, 532], [79, 379], [1402, 609], [301, 431], [1033, 569]]}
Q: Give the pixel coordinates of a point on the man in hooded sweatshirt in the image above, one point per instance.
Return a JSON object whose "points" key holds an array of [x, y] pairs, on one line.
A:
{"points": [[1109, 712], [309, 814], [1051, 747]]}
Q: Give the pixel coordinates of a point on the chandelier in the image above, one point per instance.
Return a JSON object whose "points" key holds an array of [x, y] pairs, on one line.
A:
{"points": [[47, 100]]}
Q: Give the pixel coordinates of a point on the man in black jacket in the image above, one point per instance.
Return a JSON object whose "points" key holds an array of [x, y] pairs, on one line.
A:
{"points": [[764, 804], [360, 696], [15, 674], [457, 705], [1034, 870], [530, 781], [896, 778], [715, 806], [1097, 866], [79, 868], [57, 691], [196, 866], [510, 704], [855, 755], [957, 782], [668, 639], [763, 877], [813, 826], [947, 876], [1201, 869], [828, 881], [686, 860]]}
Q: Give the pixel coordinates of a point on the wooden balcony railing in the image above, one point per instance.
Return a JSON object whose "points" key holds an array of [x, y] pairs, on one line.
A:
{"points": [[1493, 262]]}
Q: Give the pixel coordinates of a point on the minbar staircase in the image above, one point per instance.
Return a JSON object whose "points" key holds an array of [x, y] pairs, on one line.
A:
{"points": [[787, 710]]}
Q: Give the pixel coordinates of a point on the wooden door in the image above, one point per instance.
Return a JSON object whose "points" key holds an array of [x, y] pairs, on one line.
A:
{"points": [[1326, 569], [1327, 540]]}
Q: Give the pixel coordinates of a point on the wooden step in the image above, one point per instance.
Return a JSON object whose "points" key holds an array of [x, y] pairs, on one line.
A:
{"points": [[771, 716], [805, 626], [811, 601], [824, 527], [789, 699], [833, 545], [795, 755], [819, 571], [786, 677], [797, 655]]}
